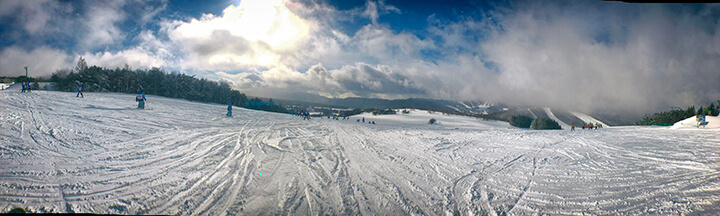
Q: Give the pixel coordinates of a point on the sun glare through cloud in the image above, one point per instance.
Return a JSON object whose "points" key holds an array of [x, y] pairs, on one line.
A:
{"points": [[255, 31]]}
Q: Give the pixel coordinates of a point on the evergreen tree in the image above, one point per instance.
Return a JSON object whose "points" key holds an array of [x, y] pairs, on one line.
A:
{"points": [[690, 112], [521, 121], [544, 124], [712, 108], [81, 65]]}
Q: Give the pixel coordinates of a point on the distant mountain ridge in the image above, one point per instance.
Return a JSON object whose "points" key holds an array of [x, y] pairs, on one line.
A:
{"points": [[462, 106], [470, 107]]}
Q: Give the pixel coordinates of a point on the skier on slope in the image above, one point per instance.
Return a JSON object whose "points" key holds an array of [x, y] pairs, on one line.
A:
{"points": [[141, 100], [79, 89], [229, 109]]}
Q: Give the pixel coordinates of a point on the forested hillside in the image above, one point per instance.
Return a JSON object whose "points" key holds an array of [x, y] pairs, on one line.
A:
{"points": [[154, 81], [669, 117]]}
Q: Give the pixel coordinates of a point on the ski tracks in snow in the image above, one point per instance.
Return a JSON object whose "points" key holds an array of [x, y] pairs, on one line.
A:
{"points": [[66, 154]]}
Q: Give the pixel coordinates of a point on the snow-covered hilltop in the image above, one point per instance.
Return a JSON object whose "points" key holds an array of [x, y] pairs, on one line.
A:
{"points": [[713, 122], [99, 154]]}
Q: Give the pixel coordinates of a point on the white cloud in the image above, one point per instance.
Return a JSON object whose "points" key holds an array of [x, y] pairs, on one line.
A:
{"points": [[135, 57], [655, 60], [41, 62], [33, 15], [581, 56], [34, 19], [373, 10], [548, 55], [340, 65], [252, 34], [101, 19]]}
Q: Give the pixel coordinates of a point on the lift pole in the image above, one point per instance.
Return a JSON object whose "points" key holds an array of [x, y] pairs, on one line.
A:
{"points": [[27, 80]]}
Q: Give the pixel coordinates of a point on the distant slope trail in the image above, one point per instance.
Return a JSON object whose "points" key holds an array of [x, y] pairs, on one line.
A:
{"points": [[589, 119], [563, 125]]}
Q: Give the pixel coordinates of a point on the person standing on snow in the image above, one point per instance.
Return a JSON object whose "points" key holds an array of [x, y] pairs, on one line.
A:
{"points": [[141, 100], [572, 127], [79, 89], [229, 113]]}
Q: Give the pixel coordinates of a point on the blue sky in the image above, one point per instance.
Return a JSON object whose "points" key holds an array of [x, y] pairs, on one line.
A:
{"points": [[584, 55]]}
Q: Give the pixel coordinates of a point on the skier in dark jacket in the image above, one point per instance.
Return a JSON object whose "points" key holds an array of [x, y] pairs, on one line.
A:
{"points": [[80, 89], [141, 100], [229, 113]]}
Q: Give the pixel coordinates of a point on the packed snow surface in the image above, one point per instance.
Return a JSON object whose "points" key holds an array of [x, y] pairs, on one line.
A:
{"points": [[99, 154], [691, 123], [421, 119]]}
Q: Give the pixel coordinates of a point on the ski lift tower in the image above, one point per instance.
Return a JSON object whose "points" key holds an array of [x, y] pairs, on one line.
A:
{"points": [[27, 79]]}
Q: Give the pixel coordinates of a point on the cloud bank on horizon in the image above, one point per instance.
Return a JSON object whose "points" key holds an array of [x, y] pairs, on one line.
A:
{"points": [[587, 56]]}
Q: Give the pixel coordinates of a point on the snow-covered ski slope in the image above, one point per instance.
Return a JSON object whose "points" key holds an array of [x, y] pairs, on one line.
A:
{"points": [[589, 119], [420, 119], [59, 153], [562, 124], [692, 123]]}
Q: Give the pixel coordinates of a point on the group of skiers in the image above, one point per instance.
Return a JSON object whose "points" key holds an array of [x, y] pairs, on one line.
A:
{"points": [[336, 117], [140, 98], [306, 116], [304, 113], [588, 126], [25, 87], [363, 121]]}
